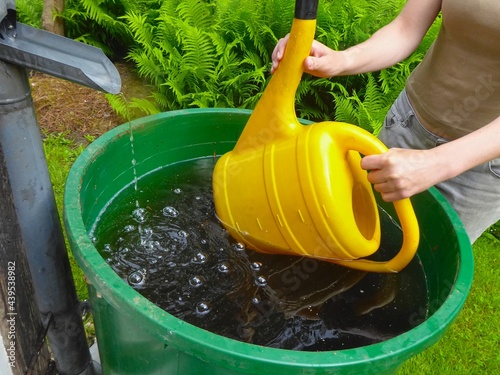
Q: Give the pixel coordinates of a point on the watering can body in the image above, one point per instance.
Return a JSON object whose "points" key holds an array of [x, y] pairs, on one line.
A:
{"points": [[298, 189]]}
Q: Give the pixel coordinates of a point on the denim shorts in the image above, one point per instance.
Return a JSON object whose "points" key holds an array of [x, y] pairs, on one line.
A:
{"points": [[474, 194]]}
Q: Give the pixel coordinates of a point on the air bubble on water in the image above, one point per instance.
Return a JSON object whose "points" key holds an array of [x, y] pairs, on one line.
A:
{"points": [[202, 308], [139, 215], [157, 245], [170, 211], [129, 228], [199, 258], [256, 266], [147, 245], [177, 191], [255, 300], [261, 281], [136, 278], [196, 281], [223, 267], [239, 246]]}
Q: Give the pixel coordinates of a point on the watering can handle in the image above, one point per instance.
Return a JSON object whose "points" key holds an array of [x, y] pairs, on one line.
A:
{"points": [[358, 139]]}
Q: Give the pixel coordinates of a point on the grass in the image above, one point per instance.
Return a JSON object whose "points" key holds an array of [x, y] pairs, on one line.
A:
{"points": [[470, 346]]}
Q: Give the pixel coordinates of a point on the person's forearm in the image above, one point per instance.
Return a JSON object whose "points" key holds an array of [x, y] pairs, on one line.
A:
{"points": [[394, 42], [469, 151]]}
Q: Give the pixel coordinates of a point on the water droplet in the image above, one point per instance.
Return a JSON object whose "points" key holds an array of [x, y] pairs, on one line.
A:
{"points": [[261, 281], [136, 278], [204, 242], [255, 300], [148, 246], [170, 211], [196, 281], [223, 267], [256, 266], [239, 247], [129, 228], [177, 191], [202, 308], [199, 258], [198, 198], [139, 215]]}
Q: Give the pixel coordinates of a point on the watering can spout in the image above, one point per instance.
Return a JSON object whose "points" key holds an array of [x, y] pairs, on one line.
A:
{"points": [[287, 188]]}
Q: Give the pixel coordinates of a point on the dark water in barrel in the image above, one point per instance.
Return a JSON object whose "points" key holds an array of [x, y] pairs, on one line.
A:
{"points": [[165, 241]]}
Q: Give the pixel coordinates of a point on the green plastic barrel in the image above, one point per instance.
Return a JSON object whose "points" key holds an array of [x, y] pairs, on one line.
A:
{"points": [[136, 337]]}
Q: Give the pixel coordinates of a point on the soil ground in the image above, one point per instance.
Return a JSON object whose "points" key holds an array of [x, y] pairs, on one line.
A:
{"points": [[78, 111]]}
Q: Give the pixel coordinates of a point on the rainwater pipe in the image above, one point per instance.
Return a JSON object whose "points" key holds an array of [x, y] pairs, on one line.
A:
{"points": [[27, 187]]}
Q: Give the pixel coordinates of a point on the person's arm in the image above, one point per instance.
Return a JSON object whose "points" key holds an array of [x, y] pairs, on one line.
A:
{"points": [[401, 173], [388, 46]]}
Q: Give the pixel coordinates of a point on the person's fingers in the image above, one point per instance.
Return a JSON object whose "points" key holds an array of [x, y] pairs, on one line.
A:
{"points": [[278, 52]]}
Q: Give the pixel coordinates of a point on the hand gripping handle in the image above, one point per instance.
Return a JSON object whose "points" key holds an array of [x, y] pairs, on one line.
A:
{"points": [[358, 139]]}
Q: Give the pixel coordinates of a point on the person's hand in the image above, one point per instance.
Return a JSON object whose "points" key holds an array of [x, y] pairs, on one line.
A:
{"points": [[401, 173], [322, 62]]}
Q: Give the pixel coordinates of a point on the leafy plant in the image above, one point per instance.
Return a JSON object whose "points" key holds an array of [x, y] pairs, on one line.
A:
{"points": [[30, 12], [99, 23], [217, 54]]}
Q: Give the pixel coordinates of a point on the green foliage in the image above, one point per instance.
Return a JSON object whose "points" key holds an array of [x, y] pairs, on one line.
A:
{"points": [[217, 54], [30, 12], [61, 152], [204, 53], [99, 23]]}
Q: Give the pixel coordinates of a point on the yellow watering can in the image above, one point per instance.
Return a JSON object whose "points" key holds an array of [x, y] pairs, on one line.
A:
{"points": [[292, 189]]}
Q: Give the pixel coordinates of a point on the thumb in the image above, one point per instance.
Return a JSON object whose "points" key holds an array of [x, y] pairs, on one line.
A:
{"points": [[317, 66]]}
